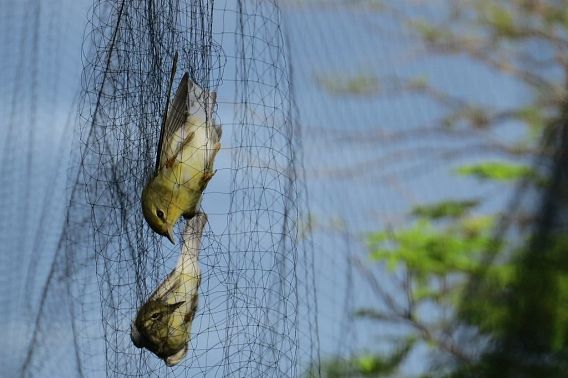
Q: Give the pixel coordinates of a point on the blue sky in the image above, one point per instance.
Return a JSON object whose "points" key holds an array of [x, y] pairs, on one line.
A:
{"points": [[387, 178]]}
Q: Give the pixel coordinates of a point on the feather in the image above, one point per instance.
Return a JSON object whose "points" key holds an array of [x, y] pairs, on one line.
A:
{"points": [[175, 300], [187, 265], [175, 120]]}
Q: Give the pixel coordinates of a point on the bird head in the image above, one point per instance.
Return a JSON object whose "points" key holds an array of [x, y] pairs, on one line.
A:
{"points": [[150, 329], [158, 210]]}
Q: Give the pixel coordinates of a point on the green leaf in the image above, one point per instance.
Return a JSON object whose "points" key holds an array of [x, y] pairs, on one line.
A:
{"points": [[474, 226], [499, 18], [445, 209], [428, 251], [431, 33], [497, 171], [532, 116], [361, 84], [373, 365]]}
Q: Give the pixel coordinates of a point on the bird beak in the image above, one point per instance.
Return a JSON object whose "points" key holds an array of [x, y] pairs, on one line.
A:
{"points": [[170, 234], [135, 336]]}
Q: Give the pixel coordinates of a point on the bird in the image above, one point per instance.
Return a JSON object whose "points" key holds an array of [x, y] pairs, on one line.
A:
{"points": [[163, 323], [189, 141]]}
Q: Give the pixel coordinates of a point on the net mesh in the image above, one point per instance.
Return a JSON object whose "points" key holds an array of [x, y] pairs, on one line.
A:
{"points": [[252, 319], [247, 324]]}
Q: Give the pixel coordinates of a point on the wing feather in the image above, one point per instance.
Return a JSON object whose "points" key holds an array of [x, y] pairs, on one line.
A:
{"points": [[177, 115], [192, 137], [200, 153]]}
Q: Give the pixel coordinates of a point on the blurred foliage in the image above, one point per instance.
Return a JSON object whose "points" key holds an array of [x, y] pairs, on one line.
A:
{"points": [[500, 171], [498, 18], [438, 254], [426, 250], [361, 84], [365, 365], [498, 292], [452, 209]]}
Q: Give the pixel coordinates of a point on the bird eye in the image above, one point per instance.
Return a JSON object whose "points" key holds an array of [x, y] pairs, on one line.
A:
{"points": [[160, 214], [155, 315]]}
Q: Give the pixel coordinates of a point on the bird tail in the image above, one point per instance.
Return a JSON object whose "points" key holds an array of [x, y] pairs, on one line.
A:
{"points": [[188, 260]]}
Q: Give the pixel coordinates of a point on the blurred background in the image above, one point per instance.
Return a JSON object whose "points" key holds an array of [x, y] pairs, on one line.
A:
{"points": [[390, 199]]}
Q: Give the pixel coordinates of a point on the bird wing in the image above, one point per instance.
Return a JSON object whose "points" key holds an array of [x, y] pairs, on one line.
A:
{"points": [[175, 119], [192, 145]]}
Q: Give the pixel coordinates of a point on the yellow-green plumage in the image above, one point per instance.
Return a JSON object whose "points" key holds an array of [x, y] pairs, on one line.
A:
{"points": [[185, 159], [163, 323]]}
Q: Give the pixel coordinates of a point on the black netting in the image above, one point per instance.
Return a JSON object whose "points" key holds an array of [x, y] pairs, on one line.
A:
{"points": [[256, 302]]}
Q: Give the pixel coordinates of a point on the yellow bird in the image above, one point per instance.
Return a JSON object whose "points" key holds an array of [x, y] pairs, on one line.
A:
{"points": [[189, 142], [163, 323]]}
